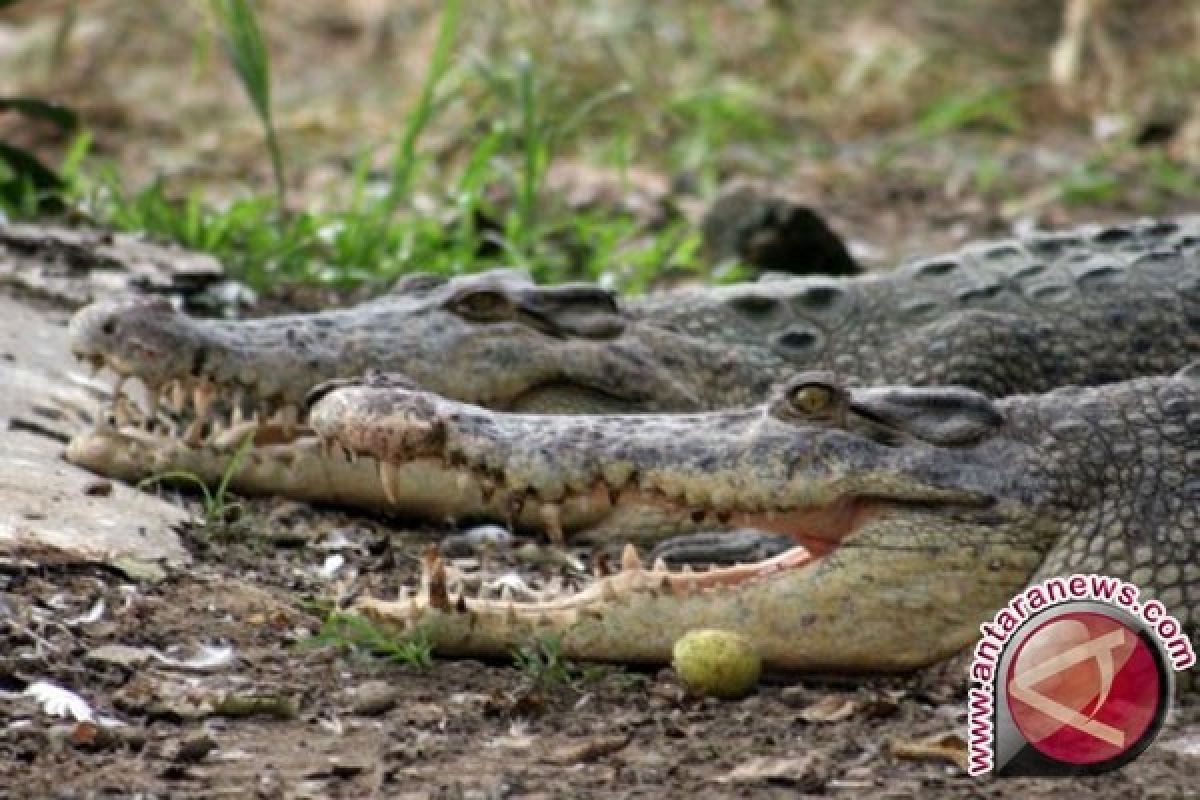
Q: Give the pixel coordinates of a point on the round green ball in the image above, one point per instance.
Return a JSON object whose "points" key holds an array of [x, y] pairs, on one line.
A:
{"points": [[716, 663]]}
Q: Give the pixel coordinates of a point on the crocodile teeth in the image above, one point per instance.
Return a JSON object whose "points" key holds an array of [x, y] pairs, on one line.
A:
{"points": [[239, 398], [193, 436], [202, 397], [433, 578], [630, 559], [389, 479], [287, 418], [178, 397], [154, 397], [119, 388], [552, 518], [122, 412]]}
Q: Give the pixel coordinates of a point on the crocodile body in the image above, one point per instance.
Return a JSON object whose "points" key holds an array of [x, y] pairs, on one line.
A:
{"points": [[1082, 307], [915, 512]]}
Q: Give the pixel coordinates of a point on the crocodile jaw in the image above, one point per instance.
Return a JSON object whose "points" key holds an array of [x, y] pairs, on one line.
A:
{"points": [[768, 475], [928, 596]]}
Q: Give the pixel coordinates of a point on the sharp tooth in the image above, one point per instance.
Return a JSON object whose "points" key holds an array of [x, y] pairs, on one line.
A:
{"points": [[433, 575], [239, 397], [154, 397], [660, 565], [179, 397], [463, 481], [388, 479], [194, 435], [630, 559], [288, 417], [122, 412], [552, 518], [202, 398], [118, 388]]}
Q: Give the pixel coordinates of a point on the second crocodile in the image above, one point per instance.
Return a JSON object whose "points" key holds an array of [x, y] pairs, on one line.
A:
{"points": [[1086, 306]]}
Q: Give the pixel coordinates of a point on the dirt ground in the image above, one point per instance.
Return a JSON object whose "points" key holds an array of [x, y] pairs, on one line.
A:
{"points": [[210, 681], [280, 718], [211, 671]]}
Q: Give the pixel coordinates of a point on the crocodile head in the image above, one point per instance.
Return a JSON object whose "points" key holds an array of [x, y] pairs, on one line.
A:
{"points": [[524, 346], [907, 507], [915, 513]]}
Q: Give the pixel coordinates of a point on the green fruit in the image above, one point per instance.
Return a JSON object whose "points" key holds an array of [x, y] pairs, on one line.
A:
{"points": [[716, 663]]}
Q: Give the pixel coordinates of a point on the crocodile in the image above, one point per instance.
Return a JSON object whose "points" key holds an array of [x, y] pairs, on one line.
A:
{"points": [[1087, 306], [914, 513]]}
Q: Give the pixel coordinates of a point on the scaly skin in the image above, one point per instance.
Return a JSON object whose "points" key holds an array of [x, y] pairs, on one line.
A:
{"points": [[916, 512], [1088, 306], [1083, 307]]}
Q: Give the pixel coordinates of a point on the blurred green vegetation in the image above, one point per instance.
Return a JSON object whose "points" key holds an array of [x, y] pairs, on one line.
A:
{"points": [[697, 92]]}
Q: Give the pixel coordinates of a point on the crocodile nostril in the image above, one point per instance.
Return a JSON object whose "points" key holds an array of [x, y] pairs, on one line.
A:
{"points": [[109, 327]]}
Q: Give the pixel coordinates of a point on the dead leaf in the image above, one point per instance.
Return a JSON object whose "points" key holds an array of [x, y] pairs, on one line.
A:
{"points": [[831, 708], [806, 773], [948, 746], [589, 749]]}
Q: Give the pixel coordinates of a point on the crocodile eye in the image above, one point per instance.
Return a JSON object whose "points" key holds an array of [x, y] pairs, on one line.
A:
{"points": [[483, 306], [811, 398]]}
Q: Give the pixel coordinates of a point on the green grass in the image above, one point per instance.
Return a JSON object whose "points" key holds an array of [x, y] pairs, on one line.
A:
{"points": [[215, 503], [990, 109], [375, 235], [459, 184], [543, 664], [247, 53], [353, 633]]}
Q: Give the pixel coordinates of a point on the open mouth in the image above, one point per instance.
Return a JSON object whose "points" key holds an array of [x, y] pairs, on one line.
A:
{"points": [[632, 576], [195, 408]]}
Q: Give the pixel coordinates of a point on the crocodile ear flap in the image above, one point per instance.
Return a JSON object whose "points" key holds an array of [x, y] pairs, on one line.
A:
{"points": [[943, 416]]}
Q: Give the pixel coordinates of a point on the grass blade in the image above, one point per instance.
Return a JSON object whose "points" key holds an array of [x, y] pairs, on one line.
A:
{"points": [[247, 52], [404, 160]]}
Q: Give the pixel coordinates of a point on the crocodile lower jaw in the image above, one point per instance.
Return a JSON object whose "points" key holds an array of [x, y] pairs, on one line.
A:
{"points": [[503, 617]]}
